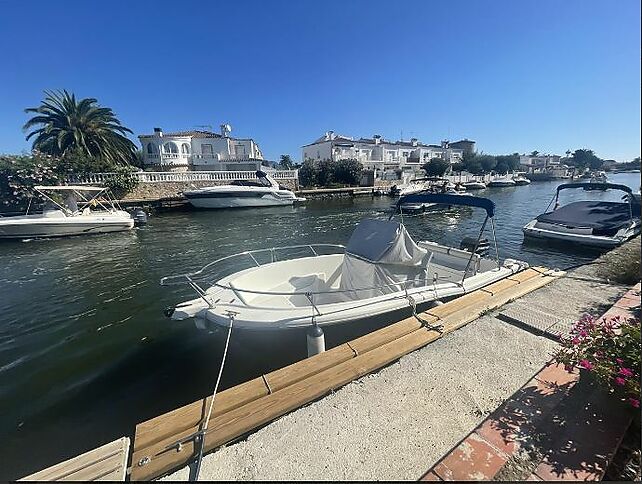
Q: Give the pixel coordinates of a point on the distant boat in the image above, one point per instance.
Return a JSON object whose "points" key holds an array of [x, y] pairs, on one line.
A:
{"points": [[504, 181], [474, 185], [520, 179], [265, 192]]}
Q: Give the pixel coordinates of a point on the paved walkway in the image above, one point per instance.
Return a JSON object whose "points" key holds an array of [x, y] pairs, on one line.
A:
{"points": [[553, 428], [394, 424]]}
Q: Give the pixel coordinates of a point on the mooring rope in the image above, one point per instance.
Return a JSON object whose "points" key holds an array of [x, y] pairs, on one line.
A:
{"points": [[413, 304], [194, 475]]}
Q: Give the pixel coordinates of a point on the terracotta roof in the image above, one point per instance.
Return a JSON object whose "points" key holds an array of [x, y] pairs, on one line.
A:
{"points": [[193, 134]]}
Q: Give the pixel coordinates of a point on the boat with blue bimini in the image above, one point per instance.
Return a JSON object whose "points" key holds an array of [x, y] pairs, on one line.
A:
{"points": [[380, 270], [595, 223], [264, 192]]}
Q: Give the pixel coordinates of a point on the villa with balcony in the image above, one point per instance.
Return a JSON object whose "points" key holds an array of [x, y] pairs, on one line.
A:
{"points": [[199, 150], [378, 154]]}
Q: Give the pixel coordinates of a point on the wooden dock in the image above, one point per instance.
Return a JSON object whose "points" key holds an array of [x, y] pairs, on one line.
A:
{"points": [[167, 442]]}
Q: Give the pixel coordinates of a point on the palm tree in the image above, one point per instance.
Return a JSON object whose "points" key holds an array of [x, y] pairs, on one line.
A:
{"points": [[64, 125]]}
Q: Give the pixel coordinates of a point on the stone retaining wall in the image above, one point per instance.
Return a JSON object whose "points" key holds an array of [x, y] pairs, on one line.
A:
{"points": [[156, 190]]}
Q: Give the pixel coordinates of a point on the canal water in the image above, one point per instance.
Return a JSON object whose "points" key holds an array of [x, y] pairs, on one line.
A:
{"points": [[86, 352]]}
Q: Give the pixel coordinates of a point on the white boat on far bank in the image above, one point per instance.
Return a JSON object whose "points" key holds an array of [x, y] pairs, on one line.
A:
{"points": [[265, 192], [76, 215], [504, 181]]}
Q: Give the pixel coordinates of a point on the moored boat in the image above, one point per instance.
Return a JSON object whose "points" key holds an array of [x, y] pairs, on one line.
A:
{"points": [[593, 223], [76, 215], [504, 181], [380, 270], [265, 192]]}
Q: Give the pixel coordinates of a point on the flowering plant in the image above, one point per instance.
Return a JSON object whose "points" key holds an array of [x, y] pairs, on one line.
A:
{"points": [[609, 348]]}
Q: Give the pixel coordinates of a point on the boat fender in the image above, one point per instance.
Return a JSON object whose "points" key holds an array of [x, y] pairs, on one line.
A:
{"points": [[316, 340]]}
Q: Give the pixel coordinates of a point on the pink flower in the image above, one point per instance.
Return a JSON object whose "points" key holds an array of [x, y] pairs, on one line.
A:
{"points": [[634, 402], [620, 381], [586, 364], [619, 361], [575, 341], [568, 368], [583, 334], [625, 372]]}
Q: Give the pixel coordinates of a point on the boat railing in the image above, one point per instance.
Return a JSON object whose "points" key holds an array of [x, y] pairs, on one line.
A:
{"points": [[251, 254]]}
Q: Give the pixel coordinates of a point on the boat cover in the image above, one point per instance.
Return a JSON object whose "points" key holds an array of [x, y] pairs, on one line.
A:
{"points": [[602, 217], [381, 252]]}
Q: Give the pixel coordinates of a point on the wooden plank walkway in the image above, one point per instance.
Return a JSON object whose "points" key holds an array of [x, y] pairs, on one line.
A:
{"points": [[106, 463], [166, 442]]}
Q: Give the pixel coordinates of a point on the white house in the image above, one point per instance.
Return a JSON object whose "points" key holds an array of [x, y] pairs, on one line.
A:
{"points": [[535, 163], [200, 150], [377, 153]]}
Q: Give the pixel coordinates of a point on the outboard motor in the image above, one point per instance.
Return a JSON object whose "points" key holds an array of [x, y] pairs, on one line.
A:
{"points": [[468, 243], [140, 217]]}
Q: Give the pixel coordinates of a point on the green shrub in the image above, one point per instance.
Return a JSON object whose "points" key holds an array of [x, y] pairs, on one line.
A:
{"points": [[122, 182]]}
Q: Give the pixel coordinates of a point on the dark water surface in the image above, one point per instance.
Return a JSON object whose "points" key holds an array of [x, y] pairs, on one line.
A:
{"points": [[86, 353]]}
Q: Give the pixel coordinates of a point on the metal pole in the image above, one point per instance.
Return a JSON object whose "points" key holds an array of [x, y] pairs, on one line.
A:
{"points": [[492, 224], [475, 248]]}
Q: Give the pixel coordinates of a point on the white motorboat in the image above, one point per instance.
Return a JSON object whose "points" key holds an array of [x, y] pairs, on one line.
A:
{"points": [[76, 215], [474, 185], [520, 179], [504, 181], [381, 270], [265, 192], [598, 181], [590, 223]]}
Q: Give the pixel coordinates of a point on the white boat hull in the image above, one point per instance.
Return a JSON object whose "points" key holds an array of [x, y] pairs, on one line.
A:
{"points": [[260, 312], [239, 202], [571, 236], [37, 226]]}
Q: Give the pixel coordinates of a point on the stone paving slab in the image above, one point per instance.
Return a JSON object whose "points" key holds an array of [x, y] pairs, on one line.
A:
{"points": [[550, 429]]}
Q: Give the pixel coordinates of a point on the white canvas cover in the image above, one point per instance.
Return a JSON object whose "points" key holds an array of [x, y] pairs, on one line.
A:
{"points": [[381, 252]]}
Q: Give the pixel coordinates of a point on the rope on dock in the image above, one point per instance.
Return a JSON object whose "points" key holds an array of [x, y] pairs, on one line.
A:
{"points": [[201, 440], [433, 327]]}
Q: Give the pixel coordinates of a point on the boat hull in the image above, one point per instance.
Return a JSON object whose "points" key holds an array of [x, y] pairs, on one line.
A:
{"points": [[531, 230], [23, 228], [226, 198]]}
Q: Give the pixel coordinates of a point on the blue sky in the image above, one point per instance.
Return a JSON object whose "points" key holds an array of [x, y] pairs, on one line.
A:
{"points": [[512, 75]]}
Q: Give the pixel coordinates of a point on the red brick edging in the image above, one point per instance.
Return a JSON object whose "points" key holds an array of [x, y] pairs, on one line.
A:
{"points": [[579, 436]]}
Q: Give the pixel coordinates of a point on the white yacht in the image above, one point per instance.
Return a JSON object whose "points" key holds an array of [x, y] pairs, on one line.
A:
{"points": [[474, 185], [381, 270], [520, 179], [504, 181], [593, 223], [77, 214], [265, 192]]}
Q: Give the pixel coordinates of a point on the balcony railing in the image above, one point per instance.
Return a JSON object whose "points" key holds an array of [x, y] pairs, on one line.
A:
{"points": [[184, 176]]}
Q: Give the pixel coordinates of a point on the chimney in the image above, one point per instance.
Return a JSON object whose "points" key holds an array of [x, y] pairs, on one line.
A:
{"points": [[413, 141], [329, 135], [158, 132], [377, 139], [226, 129], [445, 143]]}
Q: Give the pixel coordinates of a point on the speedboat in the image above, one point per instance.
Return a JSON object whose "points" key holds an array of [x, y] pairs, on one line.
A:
{"points": [[265, 192], [380, 270], [520, 179], [597, 182], [504, 181], [474, 185], [77, 215], [590, 223]]}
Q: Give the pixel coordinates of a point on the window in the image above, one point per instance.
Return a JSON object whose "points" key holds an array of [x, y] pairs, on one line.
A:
{"points": [[170, 147], [207, 149], [185, 149], [150, 148]]}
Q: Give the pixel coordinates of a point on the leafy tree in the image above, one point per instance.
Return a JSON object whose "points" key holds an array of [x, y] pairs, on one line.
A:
{"points": [[534, 153], [506, 163], [309, 174], [62, 124], [286, 162], [326, 173], [435, 167], [585, 158], [347, 171], [460, 166], [20, 173], [487, 162]]}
